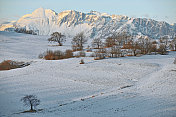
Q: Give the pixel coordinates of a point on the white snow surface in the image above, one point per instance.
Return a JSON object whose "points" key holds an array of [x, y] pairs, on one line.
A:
{"points": [[116, 87]]}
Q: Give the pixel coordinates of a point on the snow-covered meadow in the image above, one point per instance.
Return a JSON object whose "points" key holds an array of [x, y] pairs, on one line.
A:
{"points": [[116, 87]]}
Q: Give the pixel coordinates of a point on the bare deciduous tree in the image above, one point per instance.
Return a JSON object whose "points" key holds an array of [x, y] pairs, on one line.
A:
{"points": [[115, 51], [126, 37], [57, 37], [173, 44], [97, 43], [164, 39], [78, 41], [162, 49], [110, 41], [154, 48], [30, 100], [100, 54], [133, 46], [145, 45]]}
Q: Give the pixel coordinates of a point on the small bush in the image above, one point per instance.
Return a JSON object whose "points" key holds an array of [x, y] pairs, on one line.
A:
{"points": [[97, 58], [82, 61], [68, 54], [9, 64], [53, 55], [40, 56], [89, 50], [56, 55]]}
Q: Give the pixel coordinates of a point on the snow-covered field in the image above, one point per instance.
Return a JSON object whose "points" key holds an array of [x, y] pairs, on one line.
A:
{"points": [[116, 87]]}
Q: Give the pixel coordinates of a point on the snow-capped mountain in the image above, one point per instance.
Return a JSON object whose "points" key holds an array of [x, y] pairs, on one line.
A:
{"points": [[93, 24]]}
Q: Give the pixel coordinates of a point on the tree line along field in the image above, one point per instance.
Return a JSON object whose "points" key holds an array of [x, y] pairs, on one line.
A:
{"points": [[118, 45]]}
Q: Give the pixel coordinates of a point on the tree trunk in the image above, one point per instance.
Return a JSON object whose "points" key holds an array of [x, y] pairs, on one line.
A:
{"points": [[60, 44], [134, 53], [31, 107]]}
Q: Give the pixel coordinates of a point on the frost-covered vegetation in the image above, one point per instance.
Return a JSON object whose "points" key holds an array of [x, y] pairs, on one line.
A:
{"points": [[9, 64]]}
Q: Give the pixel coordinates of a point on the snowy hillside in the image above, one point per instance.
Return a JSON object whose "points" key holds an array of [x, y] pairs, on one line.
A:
{"points": [[94, 24], [124, 87]]}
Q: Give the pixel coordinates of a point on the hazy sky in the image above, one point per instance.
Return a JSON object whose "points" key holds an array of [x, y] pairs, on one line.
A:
{"points": [[161, 10]]}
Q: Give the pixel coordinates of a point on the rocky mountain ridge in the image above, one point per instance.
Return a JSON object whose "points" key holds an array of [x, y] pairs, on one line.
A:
{"points": [[93, 24]]}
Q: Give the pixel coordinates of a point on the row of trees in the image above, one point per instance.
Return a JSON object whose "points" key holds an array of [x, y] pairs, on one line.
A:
{"points": [[77, 41], [118, 44]]}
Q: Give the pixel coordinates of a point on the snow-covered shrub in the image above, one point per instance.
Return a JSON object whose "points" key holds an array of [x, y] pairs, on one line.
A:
{"points": [[68, 54], [56, 55], [9, 64], [82, 61]]}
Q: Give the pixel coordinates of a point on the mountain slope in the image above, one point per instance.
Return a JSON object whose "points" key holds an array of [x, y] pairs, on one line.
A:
{"points": [[94, 24]]}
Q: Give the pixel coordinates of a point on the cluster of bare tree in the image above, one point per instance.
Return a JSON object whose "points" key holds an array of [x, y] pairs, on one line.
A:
{"points": [[118, 45], [125, 44], [77, 41]]}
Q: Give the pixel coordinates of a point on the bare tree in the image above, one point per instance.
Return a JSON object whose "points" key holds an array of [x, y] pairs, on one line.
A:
{"points": [[173, 44], [154, 48], [100, 54], [30, 100], [115, 51], [133, 46], [126, 37], [145, 45], [162, 49], [164, 39], [110, 41], [78, 41], [119, 39], [57, 37], [97, 43]]}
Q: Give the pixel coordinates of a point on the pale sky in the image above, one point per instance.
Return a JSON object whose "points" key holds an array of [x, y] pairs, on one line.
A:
{"points": [[160, 10]]}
